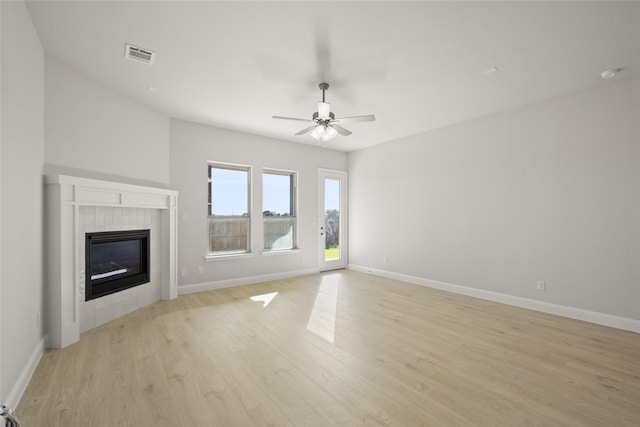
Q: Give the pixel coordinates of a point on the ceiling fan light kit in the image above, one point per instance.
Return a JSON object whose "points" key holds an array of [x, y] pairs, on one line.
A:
{"points": [[324, 133], [325, 127]]}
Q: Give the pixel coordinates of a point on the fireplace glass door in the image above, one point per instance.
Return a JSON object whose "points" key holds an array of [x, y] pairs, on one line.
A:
{"points": [[115, 261]]}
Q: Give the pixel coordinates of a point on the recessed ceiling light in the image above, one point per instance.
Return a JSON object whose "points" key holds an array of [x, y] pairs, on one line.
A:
{"points": [[152, 88], [490, 71], [609, 73]]}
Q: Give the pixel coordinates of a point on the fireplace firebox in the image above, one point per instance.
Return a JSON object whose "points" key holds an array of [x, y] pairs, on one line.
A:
{"points": [[115, 261]]}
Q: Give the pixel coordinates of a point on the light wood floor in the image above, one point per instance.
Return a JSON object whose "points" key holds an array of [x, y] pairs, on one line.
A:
{"points": [[340, 348]]}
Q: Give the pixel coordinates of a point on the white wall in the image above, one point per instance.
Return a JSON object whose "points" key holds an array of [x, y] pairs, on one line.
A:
{"points": [[546, 192], [1, 44], [192, 145], [22, 213], [93, 131]]}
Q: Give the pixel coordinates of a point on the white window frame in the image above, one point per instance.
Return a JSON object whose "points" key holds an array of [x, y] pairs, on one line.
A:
{"points": [[233, 218], [293, 214]]}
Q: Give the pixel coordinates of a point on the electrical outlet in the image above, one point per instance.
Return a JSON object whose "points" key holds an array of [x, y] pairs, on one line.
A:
{"points": [[385, 260], [184, 271], [200, 270], [541, 285]]}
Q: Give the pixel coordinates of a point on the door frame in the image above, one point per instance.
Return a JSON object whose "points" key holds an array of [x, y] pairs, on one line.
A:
{"points": [[343, 228]]}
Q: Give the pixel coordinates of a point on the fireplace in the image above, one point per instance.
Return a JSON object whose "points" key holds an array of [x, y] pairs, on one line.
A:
{"points": [[76, 206], [115, 261]]}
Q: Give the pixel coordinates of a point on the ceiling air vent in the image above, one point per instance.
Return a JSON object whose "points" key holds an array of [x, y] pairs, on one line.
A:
{"points": [[139, 54]]}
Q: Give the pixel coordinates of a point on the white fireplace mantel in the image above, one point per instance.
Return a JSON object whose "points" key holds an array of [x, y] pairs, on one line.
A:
{"points": [[64, 197]]}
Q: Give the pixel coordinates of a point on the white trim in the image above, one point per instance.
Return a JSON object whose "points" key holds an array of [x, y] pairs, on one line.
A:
{"points": [[93, 192], [14, 396], [276, 171], [281, 252], [229, 256], [228, 165], [604, 319], [229, 283], [330, 171]]}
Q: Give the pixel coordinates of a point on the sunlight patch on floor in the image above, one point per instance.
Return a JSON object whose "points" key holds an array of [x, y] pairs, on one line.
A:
{"points": [[265, 299], [322, 321]]}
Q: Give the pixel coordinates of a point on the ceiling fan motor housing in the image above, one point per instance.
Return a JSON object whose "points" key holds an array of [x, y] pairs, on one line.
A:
{"points": [[316, 117]]}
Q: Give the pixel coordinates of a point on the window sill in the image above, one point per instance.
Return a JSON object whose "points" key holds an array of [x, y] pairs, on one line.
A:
{"points": [[226, 257], [281, 252]]}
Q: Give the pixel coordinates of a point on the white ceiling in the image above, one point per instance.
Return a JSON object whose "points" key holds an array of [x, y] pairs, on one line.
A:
{"points": [[416, 65]]}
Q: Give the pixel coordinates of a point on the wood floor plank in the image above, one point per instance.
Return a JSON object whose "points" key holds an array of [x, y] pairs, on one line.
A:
{"points": [[338, 349]]}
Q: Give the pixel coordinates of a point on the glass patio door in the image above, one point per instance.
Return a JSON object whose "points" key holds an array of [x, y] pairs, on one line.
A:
{"points": [[332, 215]]}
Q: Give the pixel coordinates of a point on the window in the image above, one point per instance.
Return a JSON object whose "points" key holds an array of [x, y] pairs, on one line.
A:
{"points": [[279, 209], [229, 208]]}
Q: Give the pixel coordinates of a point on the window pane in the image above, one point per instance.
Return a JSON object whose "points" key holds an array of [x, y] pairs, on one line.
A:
{"points": [[229, 209], [229, 189], [228, 235], [276, 195], [332, 219], [278, 210], [278, 233]]}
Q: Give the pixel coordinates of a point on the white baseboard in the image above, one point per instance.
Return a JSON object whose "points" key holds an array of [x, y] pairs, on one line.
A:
{"points": [[15, 394], [545, 307], [220, 284]]}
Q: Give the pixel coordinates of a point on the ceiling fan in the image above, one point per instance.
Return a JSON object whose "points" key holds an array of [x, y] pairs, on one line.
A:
{"points": [[325, 125]]}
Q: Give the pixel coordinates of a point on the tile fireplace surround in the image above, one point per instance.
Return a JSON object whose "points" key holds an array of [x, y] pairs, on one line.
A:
{"points": [[76, 206]]}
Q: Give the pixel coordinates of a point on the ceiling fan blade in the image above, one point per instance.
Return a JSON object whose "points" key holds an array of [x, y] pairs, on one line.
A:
{"points": [[369, 118], [292, 118], [307, 130], [342, 131]]}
